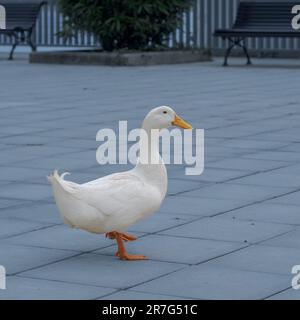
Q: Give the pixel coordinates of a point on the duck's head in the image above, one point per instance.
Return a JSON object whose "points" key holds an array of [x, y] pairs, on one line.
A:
{"points": [[164, 117]]}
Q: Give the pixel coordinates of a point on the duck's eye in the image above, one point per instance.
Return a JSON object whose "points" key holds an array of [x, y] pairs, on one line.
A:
{"points": [[165, 112]]}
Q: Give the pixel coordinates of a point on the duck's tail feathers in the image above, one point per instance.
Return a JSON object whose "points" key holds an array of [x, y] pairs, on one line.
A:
{"points": [[58, 181], [56, 177]]}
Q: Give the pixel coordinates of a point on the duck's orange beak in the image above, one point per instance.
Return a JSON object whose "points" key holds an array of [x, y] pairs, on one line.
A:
{"points": [[181, 123]]}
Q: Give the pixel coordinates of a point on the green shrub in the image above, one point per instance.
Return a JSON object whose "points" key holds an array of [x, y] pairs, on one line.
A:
{"points": [[131, 24]]}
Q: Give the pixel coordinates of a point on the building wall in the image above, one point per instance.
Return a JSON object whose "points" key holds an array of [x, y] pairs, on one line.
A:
{"points": [[196, 31]]}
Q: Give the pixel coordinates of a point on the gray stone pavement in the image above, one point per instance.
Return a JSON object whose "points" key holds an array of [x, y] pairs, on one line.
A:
{"points": [[231, 233]]}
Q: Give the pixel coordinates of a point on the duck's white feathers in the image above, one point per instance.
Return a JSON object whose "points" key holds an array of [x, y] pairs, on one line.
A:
{"points": [[117, 201], [113, 202]]}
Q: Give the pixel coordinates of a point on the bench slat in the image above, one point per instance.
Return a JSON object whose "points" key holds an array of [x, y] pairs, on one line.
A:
{"points": [[259, 19], [263, 14], [21, 15], [263, 17], [20, 20]]}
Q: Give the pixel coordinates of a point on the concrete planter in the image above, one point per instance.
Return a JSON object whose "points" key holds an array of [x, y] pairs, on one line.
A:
{"points": [[121, 58]]}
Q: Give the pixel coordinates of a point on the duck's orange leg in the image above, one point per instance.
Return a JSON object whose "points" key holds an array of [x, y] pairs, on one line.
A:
{"points": [[122, 253], [125, 236]]}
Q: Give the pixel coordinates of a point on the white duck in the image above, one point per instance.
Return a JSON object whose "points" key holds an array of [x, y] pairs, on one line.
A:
{"points": [[113, 203]]}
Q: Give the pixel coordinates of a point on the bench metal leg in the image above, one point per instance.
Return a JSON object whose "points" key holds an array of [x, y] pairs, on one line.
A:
{"points": [[16, 42], [246, 53], [236, 42], [227, 54], [11, 54], [30, 41], [21, 36], [32, 45]]}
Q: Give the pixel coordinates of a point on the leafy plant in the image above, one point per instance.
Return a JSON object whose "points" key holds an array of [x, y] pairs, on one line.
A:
{"points": [[131, 24]]}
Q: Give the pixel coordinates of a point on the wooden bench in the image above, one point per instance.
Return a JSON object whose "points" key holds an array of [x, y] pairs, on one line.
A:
{"points": [[259, 19], [20, 22]]}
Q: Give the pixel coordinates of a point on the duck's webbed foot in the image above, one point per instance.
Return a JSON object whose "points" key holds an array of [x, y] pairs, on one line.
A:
{"points": [[122, 253], [127, 256]]}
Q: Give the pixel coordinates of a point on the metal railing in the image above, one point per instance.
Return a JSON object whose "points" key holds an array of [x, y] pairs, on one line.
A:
{"points": [[196, 30]]}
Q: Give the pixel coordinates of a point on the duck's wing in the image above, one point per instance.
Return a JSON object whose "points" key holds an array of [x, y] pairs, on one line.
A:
{"points": [[118, 193]]}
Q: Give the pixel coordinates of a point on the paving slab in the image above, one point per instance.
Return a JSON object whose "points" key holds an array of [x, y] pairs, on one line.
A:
{"points": [[20, 288], [135, 295], [34, 211], [289, 169], [201, 206], [293, 198], [219, 228], [62, 163], [13, 226], [276, 155], [289, 240], [177, 186], [62, 237], [103, 270], [252, 160], [271, 178], [16, 258], [160, 221], [247, 164], [24, 140], [13, 155], [7, 203], [252, 143], [214, 175], [83, 144], [267, 212], [216, 282], [26, 191], [178, 250], [8, 173], [292, 147], [239, 191], [262, 258], [290, 294]]}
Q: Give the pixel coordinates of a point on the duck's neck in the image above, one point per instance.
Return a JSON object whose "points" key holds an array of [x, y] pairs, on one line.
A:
{"points": [[150, 164]]}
